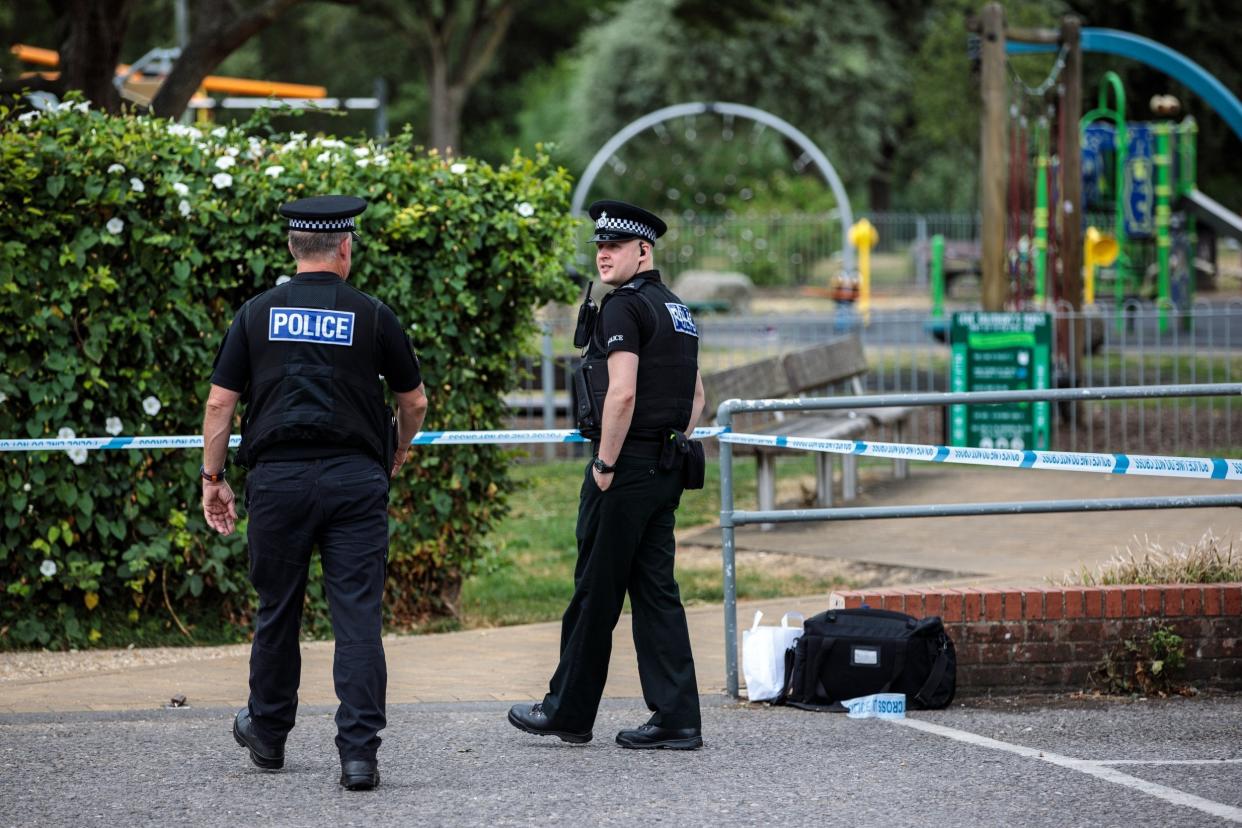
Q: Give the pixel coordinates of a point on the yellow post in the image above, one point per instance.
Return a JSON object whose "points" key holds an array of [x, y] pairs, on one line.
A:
{"points": [[863, 236], [1097, 249]]}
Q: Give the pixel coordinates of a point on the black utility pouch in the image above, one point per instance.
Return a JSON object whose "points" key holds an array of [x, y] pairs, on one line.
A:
{"points": [[586, 418], [694, 469]]}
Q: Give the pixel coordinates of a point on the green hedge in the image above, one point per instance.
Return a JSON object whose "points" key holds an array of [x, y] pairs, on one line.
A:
{"points": [[128, 243]]}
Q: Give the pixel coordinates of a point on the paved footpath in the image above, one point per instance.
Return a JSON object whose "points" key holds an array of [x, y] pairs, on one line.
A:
{"points": [[88, 748]]}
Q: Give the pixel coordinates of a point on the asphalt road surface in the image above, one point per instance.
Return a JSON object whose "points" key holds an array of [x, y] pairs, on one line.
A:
{"points": [[1049, 762]]}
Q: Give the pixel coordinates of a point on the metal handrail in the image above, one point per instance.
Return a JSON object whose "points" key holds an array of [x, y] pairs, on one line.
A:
{"points": [[730, 517]]}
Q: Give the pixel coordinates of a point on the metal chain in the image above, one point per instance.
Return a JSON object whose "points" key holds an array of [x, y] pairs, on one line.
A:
{"points": [[1053, 74]]}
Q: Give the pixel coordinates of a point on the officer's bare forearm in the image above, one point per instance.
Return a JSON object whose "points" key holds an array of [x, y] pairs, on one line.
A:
{"points": [[618, 413], [696, 409], [411, 412], [217, 422]]}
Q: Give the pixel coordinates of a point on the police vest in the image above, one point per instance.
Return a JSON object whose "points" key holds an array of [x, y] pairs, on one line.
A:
{"points": [[668, 363], [313, 371]]}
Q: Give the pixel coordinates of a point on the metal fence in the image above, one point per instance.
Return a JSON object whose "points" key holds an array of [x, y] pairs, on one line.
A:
{"points": [[731, 517], [1137, 344]]}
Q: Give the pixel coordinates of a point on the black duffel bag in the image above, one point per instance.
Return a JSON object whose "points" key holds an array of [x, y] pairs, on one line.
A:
{"points": [[847, 653]]}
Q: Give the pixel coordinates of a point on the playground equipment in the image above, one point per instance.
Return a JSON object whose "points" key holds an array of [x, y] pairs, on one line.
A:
{"points": [[1061, 172]]}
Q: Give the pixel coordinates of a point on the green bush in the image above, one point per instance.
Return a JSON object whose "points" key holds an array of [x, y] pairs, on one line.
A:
{"points": [[129, 242]]}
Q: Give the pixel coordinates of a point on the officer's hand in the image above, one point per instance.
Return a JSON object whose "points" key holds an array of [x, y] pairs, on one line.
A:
{"points": [[603, 481], [219, 507], [398, 460]]}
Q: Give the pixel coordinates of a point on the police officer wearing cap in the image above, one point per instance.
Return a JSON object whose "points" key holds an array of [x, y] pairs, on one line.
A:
{"points": [[308, 359], [639, 395]]}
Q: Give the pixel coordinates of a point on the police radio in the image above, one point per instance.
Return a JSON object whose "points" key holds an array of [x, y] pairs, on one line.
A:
{"points": [[586, 317]]}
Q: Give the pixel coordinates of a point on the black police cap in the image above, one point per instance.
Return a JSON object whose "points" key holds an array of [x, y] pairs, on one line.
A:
{"points": [[618, 221], [323, 214]]}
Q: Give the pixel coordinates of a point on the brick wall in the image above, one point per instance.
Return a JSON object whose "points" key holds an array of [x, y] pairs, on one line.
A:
{"points": [[1023, 639]]}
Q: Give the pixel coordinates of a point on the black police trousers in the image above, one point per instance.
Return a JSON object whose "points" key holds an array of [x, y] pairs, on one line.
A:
{"points": [[625, 543], [339, 504]]}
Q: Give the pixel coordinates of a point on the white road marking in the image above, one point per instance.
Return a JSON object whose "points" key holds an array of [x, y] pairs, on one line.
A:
{"points": [[1096, 769], [1165, 761]]}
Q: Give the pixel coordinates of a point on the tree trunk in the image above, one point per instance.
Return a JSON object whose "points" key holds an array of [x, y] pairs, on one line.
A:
{"points": [[446, 103], [90, 46], [221, 31]]}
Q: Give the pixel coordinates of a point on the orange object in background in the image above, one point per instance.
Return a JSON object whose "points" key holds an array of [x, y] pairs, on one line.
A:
{"points": [[212, 83]]}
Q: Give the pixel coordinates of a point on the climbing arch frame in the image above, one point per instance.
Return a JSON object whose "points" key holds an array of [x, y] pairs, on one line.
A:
{"points": [[749, 113]]}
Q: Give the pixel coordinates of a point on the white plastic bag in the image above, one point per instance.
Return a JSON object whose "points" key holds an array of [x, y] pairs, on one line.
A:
{"points": [[763, 656]]}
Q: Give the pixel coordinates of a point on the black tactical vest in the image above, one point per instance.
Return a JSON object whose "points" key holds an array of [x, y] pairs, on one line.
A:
{"points": [[668, 362], [313, 371]]}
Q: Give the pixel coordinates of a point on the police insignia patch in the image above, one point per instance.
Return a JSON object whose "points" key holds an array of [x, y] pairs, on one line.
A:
{"points": [[683, 322], [322, 327]]}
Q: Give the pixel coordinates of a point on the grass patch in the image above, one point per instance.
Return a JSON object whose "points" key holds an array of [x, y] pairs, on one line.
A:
{"points": [[528, 575], [1211, 560]]}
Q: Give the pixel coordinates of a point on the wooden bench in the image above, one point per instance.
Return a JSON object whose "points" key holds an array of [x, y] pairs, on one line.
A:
{"points": [[820, 370]]}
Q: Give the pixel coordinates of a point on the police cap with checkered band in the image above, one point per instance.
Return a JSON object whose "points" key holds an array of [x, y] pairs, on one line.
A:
{"points": [[323, 214], [618, 221]]}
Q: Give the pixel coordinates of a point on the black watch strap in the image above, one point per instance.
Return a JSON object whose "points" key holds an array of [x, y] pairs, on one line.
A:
{"points": [[217, 477], [602, 467]]}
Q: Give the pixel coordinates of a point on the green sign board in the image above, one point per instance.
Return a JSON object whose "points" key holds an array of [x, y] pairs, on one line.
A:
{"points": [[1000, 352]]}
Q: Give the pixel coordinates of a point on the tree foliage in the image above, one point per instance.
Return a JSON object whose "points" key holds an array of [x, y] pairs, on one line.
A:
{"points": [[128, 244]]}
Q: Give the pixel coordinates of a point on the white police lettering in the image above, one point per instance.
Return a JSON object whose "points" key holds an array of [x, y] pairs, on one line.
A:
{"points": [[323, 327], [683, 322], [616, 338]]}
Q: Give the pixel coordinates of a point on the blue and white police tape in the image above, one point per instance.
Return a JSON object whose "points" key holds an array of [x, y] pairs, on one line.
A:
{"points": [[1214, 468], [423, 438]]}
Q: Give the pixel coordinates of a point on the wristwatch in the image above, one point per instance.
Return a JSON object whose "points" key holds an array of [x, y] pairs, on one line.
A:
{"points": [[217, 477], [602, 467]]}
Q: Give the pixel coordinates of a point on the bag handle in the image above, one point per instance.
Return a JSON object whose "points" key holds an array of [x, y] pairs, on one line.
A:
{"points": [[758, 618], [791, 614], [937, 673]]}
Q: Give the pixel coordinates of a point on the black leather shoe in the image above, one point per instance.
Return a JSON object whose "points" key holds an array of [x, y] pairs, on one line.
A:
{"points": [[359, 774], [264, 755], [532, 719], [650, 736]]}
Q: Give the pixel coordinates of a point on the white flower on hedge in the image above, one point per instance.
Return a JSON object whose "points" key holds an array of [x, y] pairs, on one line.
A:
{"points": [[3, 397], [184, 207], [25, 487], [361, 152], [184, 131], [116, 168], [84, 106], [362, 162], [297, 136], [328, 142], [137, 186], [458, 168], [113, 426], [180, 189], [273, 170], [255, 152], [219, 132], [380, 161], [280, 280], [48, 568], [225, 161], [324, 157], [115, 226], [525, 209], [151, 405], [77, 455], [232, 152], [222, 180], [66, 433], [28, 117]]}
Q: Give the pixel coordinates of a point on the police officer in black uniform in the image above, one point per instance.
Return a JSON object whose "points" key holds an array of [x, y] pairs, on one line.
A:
{"points": [[639, 397], [308, 359]]}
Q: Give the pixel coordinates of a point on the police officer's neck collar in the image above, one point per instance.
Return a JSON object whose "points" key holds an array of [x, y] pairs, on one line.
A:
{"points": [[646, 275], [317, 276]]}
